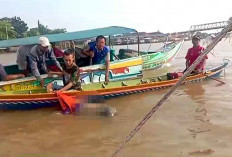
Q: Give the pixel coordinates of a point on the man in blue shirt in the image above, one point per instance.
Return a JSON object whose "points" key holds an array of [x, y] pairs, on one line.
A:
{"points": [[99, 52]]}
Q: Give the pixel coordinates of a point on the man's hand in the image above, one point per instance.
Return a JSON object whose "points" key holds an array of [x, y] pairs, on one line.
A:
{"points": [[42, 83], [50, 74], [21, 75], [63, 72], [91, 54]]}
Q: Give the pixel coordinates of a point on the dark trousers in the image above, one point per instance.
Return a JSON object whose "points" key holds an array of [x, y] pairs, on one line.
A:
{"points": [[81, 62]]}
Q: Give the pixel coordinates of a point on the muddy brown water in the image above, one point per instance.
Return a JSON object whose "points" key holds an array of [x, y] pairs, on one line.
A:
{"points": [[195, 121]]}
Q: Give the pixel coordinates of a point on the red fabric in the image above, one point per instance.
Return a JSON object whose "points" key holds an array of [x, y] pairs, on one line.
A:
{"points": [[53, 68], [192, 55], [67, 101], [58, 52]]}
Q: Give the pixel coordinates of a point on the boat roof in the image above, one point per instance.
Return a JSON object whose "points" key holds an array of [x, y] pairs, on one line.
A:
{"points": [[79, 35]]}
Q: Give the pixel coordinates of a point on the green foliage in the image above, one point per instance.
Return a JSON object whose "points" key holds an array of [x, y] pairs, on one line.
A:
{"points": [[19, 26], [6, 30], [58, 30], [42, 30], [32, 32]]}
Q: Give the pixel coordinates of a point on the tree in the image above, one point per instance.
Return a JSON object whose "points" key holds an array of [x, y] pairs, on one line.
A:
{"points": [[20, 27], [58, 30], [6, 30], [32, 32], [17, 28], [42, 30], [45, 30]]}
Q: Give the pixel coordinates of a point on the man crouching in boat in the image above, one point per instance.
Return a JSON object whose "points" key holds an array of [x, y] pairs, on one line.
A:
{"points": [[71, 74], [71, 77], [37, 59], [193, 54]]}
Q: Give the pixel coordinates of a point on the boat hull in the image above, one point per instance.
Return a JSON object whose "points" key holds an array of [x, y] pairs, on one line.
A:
{"points": [[114, 89]]}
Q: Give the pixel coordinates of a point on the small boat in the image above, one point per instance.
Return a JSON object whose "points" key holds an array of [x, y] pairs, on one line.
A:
{"points": [[31, 99], [119, 69]]}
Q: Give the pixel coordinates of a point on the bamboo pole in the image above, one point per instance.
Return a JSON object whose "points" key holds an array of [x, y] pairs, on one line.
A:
{"points": [[218, 38]]}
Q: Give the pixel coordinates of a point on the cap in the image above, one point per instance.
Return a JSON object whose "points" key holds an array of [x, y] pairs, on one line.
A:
{"points": [[196, 37], [44, 41]]}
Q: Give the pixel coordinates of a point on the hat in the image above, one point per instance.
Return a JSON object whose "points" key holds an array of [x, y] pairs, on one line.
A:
{"points": [[196, 37], [44, 41]]}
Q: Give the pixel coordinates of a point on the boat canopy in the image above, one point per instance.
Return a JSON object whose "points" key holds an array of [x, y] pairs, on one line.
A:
{"points": [[79, 35]]}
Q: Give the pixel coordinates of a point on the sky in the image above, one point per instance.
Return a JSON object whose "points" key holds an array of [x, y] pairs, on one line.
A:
{"points": [[142, 15]]}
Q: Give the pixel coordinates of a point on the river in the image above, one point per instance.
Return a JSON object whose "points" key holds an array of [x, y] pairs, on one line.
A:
{"points": [[195, 121]]}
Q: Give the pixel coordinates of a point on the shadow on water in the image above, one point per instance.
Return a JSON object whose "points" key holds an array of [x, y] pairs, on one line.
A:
{"points": [[197, 93]]}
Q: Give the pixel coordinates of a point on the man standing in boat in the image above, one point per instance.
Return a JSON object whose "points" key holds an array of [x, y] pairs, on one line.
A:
{"points": [[193, 54], [99, 53], [38, 56]]}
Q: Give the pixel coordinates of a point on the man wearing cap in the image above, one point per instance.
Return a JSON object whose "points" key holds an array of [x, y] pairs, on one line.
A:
{"points": [[193, 54], [38, 56]]}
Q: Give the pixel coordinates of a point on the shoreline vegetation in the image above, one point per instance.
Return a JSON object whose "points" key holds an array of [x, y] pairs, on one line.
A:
{"points": [[12, 28], [15, 27]]}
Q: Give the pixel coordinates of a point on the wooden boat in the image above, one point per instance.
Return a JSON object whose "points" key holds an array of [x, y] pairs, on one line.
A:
{"points": [[30, 99], [119, 69]]}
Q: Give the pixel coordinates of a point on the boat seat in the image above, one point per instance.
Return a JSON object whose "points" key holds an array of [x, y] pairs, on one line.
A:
{"points": [[153, 80], [123, 84], [103, 85], [144, 81]]}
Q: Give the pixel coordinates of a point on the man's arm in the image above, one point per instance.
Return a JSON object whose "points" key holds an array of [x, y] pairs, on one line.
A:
{"points": [[67, 87], [34, 69], [107, 67], [78, 73], [5, 77], [3, 74], [13, 77], [88, 53], [59, 73], [74, 81], [187, 59], [187, 63], [33, 66]]}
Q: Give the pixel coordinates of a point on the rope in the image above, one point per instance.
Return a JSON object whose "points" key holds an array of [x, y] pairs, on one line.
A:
{"points": [[218, 38]]}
